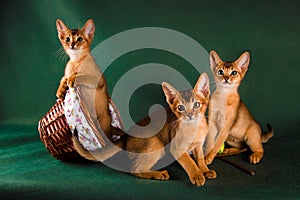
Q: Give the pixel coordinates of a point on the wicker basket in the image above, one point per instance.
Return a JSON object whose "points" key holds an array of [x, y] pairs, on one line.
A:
{"points": [[56, 134]]}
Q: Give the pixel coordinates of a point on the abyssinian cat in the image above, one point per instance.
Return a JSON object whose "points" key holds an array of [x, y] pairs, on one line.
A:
{"points": [[82, 71], [228, 116], [184, 131]]}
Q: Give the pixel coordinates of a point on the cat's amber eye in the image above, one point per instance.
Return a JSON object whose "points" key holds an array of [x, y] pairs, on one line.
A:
{"points": [[80, 39], [234, 73], [196, 105], [220, 72], [181, 108], [68, 39]]}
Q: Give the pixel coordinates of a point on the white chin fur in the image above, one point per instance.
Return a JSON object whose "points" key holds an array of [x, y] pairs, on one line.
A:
{"points": [[188, 121], [75, 51], [228, 85]]}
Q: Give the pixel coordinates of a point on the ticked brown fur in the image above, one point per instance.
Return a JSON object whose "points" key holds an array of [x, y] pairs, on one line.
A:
{"points": [[184, 131], [82, 71], [229, 118]]}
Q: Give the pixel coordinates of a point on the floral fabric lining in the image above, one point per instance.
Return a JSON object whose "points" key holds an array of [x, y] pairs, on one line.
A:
{"points": [[77, 120]]}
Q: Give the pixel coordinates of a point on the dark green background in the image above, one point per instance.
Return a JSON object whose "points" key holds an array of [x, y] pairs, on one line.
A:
{"points": [[30, 73]]}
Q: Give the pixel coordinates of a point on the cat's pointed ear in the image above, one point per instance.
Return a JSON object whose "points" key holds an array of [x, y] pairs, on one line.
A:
{"points": [[61, 28], [202, 85], [89, 28], [214, 59], [170, 92], [243, 61]]}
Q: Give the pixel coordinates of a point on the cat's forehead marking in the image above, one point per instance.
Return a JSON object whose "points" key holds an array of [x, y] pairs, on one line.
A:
{"points": [[74, 31], [228, 64], [187, 96]]}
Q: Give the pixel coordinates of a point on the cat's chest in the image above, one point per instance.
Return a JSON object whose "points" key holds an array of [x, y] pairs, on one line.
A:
{"points": [[192, 132], [72, 68], [86, 66], [222, 100], [188, 136]]}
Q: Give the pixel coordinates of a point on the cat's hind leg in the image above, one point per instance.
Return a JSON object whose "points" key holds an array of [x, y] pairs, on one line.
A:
{"points": [[158, 175], [143, 162], [253, 140], [231, 150]]}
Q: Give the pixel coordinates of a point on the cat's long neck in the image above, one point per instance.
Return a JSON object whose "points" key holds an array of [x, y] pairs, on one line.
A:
{"points": [[226, 95], [75, 63]]}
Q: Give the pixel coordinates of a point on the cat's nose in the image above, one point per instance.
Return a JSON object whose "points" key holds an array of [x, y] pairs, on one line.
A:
{"points": [[226, 79], [190, 115], [72, 45]]}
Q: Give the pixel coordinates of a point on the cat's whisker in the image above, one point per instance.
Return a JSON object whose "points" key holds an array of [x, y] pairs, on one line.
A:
{"points": [[174, 123], [243, 85], [56, 53], [213, 84], [61, 54]]}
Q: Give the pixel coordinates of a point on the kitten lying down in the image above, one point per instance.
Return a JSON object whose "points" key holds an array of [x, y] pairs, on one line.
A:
{"points": [[184, 131]]}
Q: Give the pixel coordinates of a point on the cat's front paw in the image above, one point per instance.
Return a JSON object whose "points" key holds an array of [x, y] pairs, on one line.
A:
{"points": [[164, 175], [61, 93], [210, 174], [71, 81], [255, 157], [62, 88], [209, 158], [197, 179]]}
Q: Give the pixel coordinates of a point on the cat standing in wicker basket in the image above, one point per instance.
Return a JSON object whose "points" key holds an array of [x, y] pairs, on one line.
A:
{"points": [[82, 73]]}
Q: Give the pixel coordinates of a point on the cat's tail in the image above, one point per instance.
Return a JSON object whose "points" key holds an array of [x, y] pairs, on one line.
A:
{"points": [[98, 155], [267, 135]]}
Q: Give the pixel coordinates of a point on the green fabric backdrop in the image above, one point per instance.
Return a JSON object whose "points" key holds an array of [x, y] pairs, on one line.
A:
{"points": [[31, 70]]}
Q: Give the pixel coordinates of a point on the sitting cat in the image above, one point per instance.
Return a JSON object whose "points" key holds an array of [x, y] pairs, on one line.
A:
{"points": [[184, 131], [229, 118], [82, 72]]}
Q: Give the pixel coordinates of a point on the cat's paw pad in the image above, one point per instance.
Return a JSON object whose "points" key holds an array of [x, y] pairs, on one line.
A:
{"points": [[197, 179], [255, 157], [210, 174], [164, 175]]}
